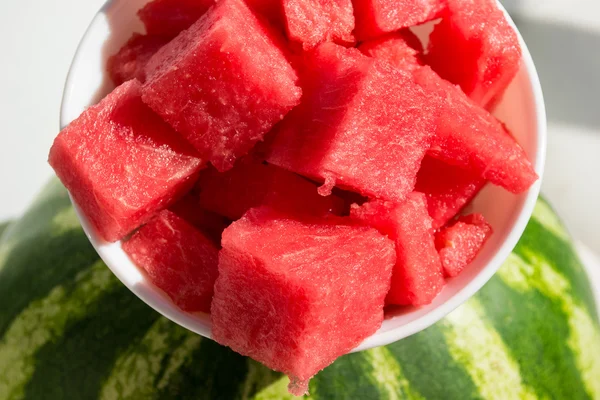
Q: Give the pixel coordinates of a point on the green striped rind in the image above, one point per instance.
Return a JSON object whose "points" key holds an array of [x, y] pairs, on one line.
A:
{"points": [[3, 227], [43, 250], [70, 330]]}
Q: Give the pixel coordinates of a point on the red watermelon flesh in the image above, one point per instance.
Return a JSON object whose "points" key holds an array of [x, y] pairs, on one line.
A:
{"points": [[475, 47], [178, 258], [417, 278], [210, 223], [315, 21], [122, 163], [401, 49], [269, 9], [377, 17], [131, 59], [222, 84], [295, 294], [459, 243], [354, 104], [169, 17], [470, 137], [448, 189], [251, 184]]}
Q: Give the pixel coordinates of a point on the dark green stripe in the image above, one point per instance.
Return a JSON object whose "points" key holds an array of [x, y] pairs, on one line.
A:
{"points": [[212, 372], [38, 264], [347, 378], [562, 258], [75, 366], [37, 259], [536, 333], [430, 369]]}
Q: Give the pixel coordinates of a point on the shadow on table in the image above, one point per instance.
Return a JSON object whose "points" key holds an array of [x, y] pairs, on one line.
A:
{"points": [[568, 62]]}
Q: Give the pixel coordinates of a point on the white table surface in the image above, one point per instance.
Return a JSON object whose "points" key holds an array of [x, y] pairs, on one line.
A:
{"points": [[39, 37]]}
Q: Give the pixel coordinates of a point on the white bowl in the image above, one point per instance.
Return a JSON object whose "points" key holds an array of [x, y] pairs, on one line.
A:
{"points": [[522, 110]]}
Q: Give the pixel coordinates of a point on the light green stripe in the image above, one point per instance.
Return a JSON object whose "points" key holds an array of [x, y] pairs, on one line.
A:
{"points": [[138, 369], [259, 376], [388, 376], [584, 336], [178, 357], [546, 217], [475, 345], [278, 391], [45, 320]]}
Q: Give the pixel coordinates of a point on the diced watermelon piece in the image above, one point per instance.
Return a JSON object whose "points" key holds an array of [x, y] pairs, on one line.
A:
{"points": [[377, 17], [475, 47], [353, 104], [401, 49], [131, 59], [222, 83], [269, 9], [417, 278], [316, 21], [295, 294], [212, 224], [448, 189], [178, 258], [251, 184], [122, 163], [470, 137], [459, 243], [169, 17]]}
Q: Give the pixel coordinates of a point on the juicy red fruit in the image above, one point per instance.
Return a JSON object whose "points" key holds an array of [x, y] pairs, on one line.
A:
{"points": [[295, 294], [222, 84], [131, 59], [210, 223], [316, 21], [448, 189], [471, 138], [401, 49], [377, 17], [178, 258], [460, 242], [417, 278], [122, 163], [169, 17], [352, 105], [251, 184], [475, 47]]}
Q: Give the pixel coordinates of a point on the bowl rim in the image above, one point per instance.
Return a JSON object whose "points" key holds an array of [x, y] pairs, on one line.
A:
{"points": [[112, 254]]}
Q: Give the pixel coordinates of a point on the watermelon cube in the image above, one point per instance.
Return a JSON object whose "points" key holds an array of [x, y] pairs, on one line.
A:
{"points": [[402, 49], [362, 124], [448, 189], [460, 242], [210, 223], [377, 17], [131, 59], [178, 258], [315, 21], [122, 163], [417, 278], [251, 184], [169, 17], [271, 10], [295, 294], [474, 46], [470, 137], [222, 84]]}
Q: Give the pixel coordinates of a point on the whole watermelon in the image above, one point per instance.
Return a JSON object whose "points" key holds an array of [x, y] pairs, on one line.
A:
{"points": [[70, 330]]}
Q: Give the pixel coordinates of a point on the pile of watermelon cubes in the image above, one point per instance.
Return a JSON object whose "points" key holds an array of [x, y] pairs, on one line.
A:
{"points": [[296, 167]]}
